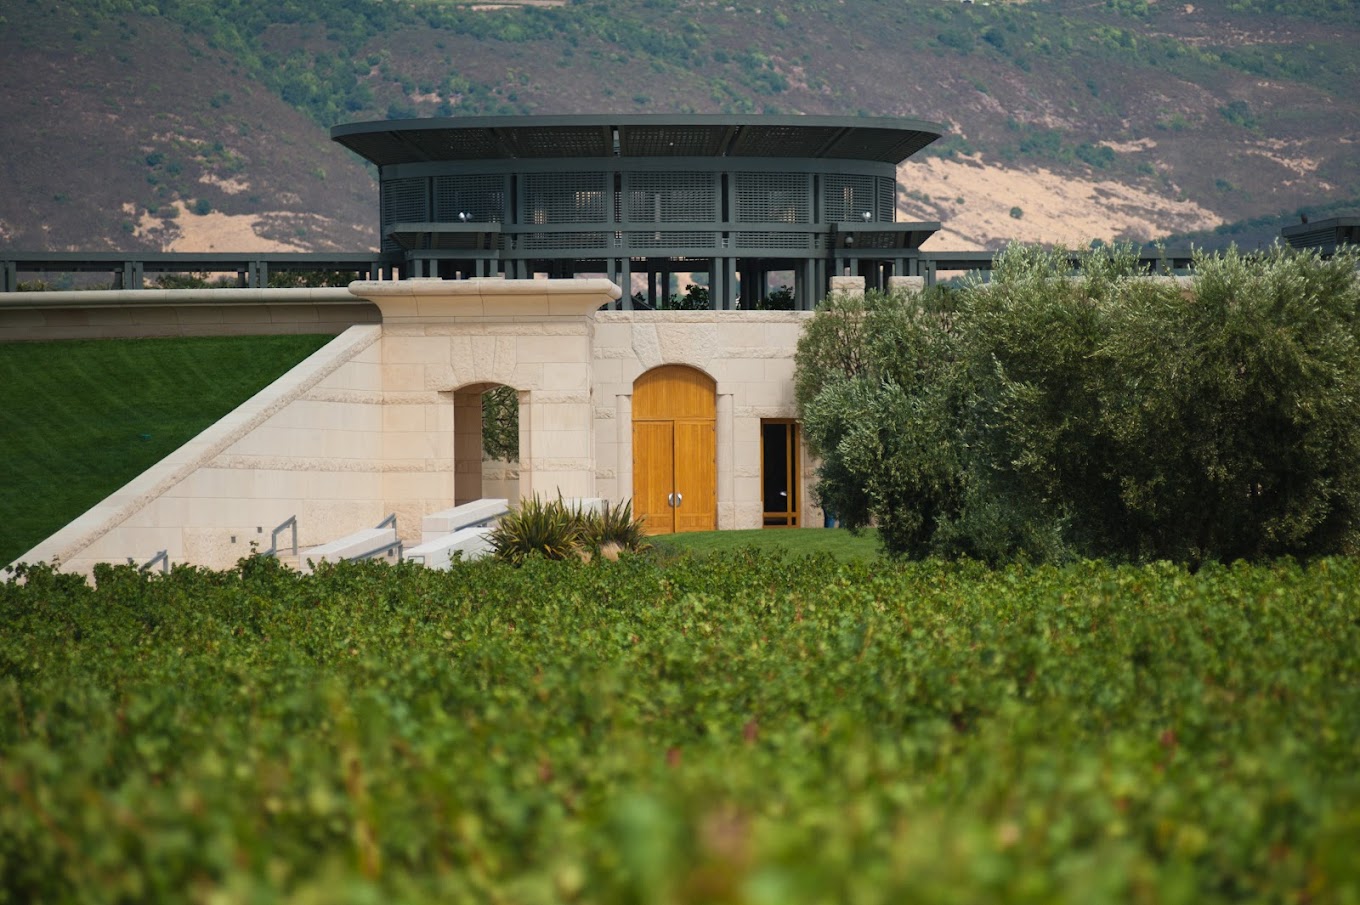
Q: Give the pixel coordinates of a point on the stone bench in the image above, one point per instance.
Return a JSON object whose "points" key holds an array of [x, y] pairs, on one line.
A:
{"points": [[468, 515], [440, 553], [360, 544]]}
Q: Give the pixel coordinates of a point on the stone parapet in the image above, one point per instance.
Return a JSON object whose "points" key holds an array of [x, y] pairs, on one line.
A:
{"points": [[849, 286]]}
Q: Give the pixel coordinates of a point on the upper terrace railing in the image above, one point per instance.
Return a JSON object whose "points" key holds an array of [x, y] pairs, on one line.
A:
{"points": [[129, 270]]}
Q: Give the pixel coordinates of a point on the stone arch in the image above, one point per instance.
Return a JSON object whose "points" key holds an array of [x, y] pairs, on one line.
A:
{"points": [[479, 473]]}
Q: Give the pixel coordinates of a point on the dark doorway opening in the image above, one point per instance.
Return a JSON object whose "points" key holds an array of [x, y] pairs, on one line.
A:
{"points": [[779, 472]]}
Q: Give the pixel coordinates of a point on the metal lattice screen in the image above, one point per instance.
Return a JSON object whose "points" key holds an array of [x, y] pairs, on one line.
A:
{"points": [[403, 201], [566, 198], [847, 198], [696, 240], [887, 199], [671, 197], [480, 198], [558, 241], [773, 198], [771, 241]]}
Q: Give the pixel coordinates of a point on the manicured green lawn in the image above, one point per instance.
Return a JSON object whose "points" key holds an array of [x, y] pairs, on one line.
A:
{"points": [[837, 542], [79, 419]]}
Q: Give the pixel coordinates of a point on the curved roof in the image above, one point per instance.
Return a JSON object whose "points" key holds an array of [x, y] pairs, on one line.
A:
{"points": [[386, 142]]}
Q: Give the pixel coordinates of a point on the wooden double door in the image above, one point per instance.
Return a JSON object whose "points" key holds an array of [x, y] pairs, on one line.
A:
{"points": [[675, 461]]}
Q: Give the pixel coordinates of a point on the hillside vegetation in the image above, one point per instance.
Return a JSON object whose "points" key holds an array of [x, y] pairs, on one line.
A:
{"points": [[1066, 118]]}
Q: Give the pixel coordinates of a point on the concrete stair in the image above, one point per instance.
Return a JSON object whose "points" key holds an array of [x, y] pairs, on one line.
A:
{"points": [[461, 532]]}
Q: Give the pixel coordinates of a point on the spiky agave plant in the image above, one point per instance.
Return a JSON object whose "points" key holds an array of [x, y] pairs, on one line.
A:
{"points": [[548, 528], [614, 528]]}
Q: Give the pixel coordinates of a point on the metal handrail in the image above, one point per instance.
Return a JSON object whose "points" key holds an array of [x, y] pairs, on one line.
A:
{"points": [[162, 557], [290, 522], [389, 522]]}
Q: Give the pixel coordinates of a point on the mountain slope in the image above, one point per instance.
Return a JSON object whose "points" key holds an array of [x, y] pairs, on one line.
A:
{"points": [[116, 133], [1068, 119]]}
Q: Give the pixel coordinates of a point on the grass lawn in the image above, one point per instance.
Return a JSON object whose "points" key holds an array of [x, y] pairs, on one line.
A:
{"points": [[837, 542], [79, 419]]}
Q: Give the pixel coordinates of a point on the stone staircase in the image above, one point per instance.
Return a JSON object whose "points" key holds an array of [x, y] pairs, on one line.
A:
{"points": [[460, 533]]}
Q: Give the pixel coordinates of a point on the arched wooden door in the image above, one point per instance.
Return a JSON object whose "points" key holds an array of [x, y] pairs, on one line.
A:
{"points": [[675, 450]]}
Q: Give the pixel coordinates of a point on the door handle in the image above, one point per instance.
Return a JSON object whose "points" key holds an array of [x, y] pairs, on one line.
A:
{"points": [[679, 499], [670, 499]]}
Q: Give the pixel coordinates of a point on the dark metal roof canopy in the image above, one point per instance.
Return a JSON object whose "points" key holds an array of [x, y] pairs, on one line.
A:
{"points": [[882, 140], [1325, 235]]}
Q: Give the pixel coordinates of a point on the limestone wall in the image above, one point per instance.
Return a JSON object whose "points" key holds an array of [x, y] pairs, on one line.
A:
{"points": [[310, 444], [386, 419], [446, 340], [750, 356]]}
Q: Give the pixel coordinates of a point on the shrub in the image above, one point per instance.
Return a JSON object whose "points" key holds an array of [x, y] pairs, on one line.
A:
{"points": [[1218, 423], [1109, 415], [612, 529], [549, 529], [1236, 414], [500, 423], [554, 530], [878, 393]]}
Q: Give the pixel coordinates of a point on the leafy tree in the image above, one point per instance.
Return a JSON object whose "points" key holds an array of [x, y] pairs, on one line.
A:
{"points": [[696, 298], [877, 390], [500, 424], [286, 279], [1107, 414], [1152, 423]]}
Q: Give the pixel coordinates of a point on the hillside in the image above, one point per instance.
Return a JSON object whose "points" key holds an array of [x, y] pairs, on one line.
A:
{"points": [[189, 126]]}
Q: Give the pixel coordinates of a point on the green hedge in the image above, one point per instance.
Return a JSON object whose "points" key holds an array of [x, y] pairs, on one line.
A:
{"points": [[736, 729], [1105, 414]]}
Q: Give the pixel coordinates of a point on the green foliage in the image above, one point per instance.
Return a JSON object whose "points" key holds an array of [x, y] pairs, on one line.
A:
{"points": [[1157, 426], [500, 424], [741, 728], [193, 281], [289, 279], [777, 299], [878, 398], [1106, 415], [555, 531], [546, 528], [837, 543], [1051, 144], [960, 40], [613, 528], [1326, 10], [1267, 362], [1138, 9], [696, 298], [1239, 114]]}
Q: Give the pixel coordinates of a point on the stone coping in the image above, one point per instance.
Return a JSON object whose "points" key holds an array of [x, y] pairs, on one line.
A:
{"points": [[437, 299], [703, 317]]}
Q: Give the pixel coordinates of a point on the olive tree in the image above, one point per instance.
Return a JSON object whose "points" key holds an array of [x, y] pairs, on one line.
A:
{"points": [[877, 400], [1049, 413]]}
